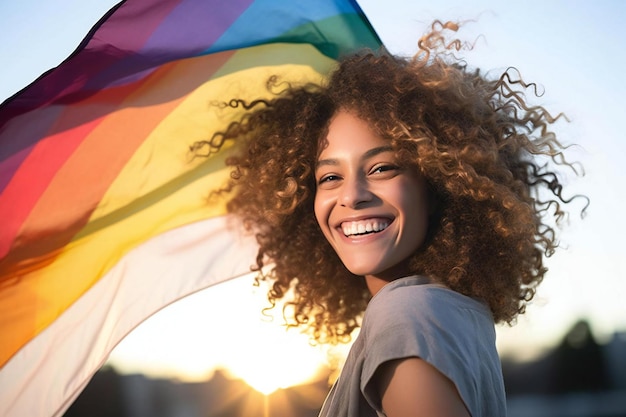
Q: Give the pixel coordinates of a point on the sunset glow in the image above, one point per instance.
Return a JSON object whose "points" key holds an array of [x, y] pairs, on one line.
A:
{"points": [[274, 359], [222, 328]]}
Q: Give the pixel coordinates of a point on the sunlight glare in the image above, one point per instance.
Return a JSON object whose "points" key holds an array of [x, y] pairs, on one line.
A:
{"points": [[221, 328], [274, 358]]}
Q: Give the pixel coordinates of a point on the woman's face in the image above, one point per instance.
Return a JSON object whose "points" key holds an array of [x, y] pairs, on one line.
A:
{"points": [[372, 211]]}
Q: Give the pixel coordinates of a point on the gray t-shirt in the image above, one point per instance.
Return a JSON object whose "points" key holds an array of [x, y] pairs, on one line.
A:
{"points": [[410, 317]]}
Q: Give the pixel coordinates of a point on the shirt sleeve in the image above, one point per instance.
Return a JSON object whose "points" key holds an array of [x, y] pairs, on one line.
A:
{"points": [[433, 324]]}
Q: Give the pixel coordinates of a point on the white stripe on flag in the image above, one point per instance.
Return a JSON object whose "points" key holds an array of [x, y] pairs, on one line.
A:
{"points": [[48, 373]]}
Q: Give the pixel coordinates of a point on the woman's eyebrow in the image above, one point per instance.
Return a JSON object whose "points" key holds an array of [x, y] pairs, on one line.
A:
{"points": [[369, 154], [375, 151], [326, 162]]}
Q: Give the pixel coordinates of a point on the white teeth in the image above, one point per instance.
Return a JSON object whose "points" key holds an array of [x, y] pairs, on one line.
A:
{"points": [[362, 227]]}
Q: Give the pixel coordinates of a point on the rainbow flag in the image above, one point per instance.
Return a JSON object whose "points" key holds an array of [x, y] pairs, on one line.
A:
{"points": [[105, 218]]}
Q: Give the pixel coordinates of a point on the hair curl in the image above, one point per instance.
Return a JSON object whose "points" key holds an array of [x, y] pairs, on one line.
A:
{"points": [[490, 160]]}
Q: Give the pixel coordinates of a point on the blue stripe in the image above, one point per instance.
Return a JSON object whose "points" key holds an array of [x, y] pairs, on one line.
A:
{"points": [[266, 20]]}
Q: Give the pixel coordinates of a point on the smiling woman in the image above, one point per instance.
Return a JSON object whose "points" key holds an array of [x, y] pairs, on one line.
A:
{"points": [[408, 197]]}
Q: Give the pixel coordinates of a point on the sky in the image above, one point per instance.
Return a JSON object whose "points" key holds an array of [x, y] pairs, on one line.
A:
{"points": [[575, 50]]}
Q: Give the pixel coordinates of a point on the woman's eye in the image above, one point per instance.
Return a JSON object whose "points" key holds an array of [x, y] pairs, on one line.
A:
{"points": [[328, 178], [384, 168]]}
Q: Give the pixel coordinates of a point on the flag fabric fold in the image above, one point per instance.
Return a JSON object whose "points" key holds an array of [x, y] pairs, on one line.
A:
{"points": [[105, 215]]}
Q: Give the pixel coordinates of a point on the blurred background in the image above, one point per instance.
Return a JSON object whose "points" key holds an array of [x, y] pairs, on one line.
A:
{"points": [[214, 354]]}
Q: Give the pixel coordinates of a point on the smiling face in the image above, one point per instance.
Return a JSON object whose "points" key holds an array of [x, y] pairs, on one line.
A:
{"points": [[372, 211]]}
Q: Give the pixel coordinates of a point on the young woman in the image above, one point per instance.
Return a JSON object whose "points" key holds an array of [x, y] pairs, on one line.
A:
{"points": [[411, 198]]}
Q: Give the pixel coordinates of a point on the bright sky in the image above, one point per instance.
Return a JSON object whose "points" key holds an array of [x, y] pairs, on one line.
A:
{"points": [[574, 49]]}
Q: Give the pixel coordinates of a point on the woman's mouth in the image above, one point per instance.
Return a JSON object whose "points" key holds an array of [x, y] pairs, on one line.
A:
{"points": [[363, 227]]}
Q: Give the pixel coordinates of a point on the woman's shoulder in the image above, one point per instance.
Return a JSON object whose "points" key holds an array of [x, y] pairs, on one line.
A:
{"points": [[418, 299], [423, 292]]}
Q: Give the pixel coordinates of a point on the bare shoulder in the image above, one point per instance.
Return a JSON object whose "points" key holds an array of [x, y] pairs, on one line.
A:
{"points": [[413, 387]]}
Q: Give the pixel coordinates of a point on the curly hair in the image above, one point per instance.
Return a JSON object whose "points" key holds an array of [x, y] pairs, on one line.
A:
{"points": [[489, 158]]}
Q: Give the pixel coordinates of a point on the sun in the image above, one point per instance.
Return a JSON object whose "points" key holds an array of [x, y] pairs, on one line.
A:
{"points": [[271, 358]]}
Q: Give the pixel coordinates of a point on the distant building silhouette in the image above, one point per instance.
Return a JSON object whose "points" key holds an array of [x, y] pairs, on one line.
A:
{"points": [[579, 363], [102, 397], [579, 378], [110, 394]]}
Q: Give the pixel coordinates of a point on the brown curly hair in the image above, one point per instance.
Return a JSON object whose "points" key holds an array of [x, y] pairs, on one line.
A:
{"points": [[487, 154]]}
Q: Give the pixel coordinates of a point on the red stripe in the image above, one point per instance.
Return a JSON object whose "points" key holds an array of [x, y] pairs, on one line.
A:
{"points": [[48, 156]]}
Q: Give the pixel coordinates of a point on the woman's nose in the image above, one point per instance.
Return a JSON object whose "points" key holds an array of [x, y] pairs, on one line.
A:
{"points": [[354, 191]]}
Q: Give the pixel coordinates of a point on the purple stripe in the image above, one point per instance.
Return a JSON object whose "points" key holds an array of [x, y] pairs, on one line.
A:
{"points": [[143, 16], [195, 26], [188, 30]]}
